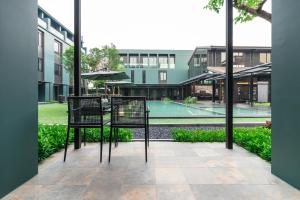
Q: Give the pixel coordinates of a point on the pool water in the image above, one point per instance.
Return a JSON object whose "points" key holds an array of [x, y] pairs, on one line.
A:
{"points": [[173, 109]]}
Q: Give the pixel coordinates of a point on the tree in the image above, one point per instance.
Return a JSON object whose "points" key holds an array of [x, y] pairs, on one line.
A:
{"points": [[68, 61], [247, 9], [105, 58]]}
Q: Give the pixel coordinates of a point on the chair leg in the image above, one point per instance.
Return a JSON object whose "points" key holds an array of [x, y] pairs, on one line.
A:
{"points": [[101, 143], [115, 136], [146, 144], [110, 137], [66, 144], [84, 137]]}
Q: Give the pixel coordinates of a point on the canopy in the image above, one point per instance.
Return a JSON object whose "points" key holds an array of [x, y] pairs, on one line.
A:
{"points": [[118, 83], [105, 75]]}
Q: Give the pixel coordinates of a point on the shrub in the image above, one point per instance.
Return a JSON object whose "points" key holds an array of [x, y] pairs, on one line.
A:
{"points": [[190, 100], [256, 140], [51, 138], [166, 100]]}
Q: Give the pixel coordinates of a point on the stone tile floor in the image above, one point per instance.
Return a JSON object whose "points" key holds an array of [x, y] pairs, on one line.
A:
{"points": [[174, 171]]}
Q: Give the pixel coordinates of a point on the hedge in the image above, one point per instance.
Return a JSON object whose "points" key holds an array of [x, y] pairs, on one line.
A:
{"points": [[51, 138], [256, 140]]}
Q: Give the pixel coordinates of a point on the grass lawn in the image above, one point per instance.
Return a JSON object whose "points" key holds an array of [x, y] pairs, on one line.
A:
{"points": [[57, 114]]}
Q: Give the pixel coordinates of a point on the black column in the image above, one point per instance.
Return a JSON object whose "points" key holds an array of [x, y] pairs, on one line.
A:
{"points": [[77, 61], [229, 76], [251, 90], [214, 91]]}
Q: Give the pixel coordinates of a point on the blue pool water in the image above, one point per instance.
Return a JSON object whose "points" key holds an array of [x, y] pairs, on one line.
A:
{"points": [[173, 109]]}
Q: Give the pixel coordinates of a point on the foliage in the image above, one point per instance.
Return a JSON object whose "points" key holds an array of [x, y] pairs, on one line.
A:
{"points": [[68, 61], [247, 9], [51, 138], [190, 100], [256, 140], [166, 100], [105, 58]]}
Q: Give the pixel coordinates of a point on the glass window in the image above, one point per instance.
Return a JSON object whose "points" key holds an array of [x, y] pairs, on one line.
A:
{"points": [[57, 70], [40, 65], [197, 61], [133, 60], [172, 61], [144, 61], [163, 62], [162, 76], [223, 58], [265, 57], [203, 59], [238, 57], [152, 61], [40, 38], [57, 47]]}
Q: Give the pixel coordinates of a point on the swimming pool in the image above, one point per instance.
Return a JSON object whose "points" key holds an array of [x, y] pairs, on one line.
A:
{"points": [[159, 109]]}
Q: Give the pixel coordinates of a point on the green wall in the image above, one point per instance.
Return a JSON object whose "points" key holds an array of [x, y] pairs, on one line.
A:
{"points": [[285, 91], [18, 102]]}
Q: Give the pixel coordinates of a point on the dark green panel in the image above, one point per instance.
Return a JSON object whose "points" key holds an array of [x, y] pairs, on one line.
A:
{"points": [[18, 102], [285, 91]]}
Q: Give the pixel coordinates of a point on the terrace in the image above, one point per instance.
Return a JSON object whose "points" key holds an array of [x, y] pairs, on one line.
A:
{"points": [[174, 171], [203, 164]]}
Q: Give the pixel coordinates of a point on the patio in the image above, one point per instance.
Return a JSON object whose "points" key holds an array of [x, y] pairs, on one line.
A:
{"points": [[174, 171]]}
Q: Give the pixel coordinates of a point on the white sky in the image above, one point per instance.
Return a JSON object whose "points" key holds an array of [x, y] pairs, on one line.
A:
{"points": [[155, 24]]}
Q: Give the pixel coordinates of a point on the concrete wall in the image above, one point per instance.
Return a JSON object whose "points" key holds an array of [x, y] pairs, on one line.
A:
{"points": [[19, 87], [285, 91]]}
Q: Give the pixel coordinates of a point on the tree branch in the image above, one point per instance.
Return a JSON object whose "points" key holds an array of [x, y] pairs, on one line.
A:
{"points": [[256, 12]]}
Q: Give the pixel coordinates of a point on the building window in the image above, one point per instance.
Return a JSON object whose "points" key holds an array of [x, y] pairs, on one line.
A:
{"points": [[40, 64], [163, 61], [196, 61], [172, 61], [57, 47], [133, 60], [40, 38], [162, 76], [203, 59], [132, 76], [238, 57], [144, 76], [153, 61], [223, 58], [57, 70], [144, 60], [265, 57]]}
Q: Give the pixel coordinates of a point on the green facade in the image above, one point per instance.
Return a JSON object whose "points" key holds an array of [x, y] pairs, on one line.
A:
{"points": [[285, 95], [52, 30], [147, 77], [18, 103]]}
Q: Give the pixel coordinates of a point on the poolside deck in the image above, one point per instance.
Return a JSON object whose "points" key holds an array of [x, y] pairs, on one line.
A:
{"points": [[174, 171]]}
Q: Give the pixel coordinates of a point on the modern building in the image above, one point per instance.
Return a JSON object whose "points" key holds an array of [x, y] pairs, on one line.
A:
{"points": [[53, 39], [155, 73], [215, 56], [174, 73]]}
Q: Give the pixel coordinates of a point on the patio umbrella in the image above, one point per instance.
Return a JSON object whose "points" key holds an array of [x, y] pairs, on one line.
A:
{"points": [[105, 75]]}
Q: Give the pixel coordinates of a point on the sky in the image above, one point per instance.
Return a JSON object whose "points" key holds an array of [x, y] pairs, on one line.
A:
{"points": [[156, 24]]}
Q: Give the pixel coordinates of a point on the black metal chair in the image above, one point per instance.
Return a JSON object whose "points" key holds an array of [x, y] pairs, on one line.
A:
{"points": [[85, 112], [128, 112]]}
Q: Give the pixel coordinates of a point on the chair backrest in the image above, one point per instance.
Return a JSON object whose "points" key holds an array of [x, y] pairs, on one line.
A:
{"points": [[128, 111], [85, 111]]}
